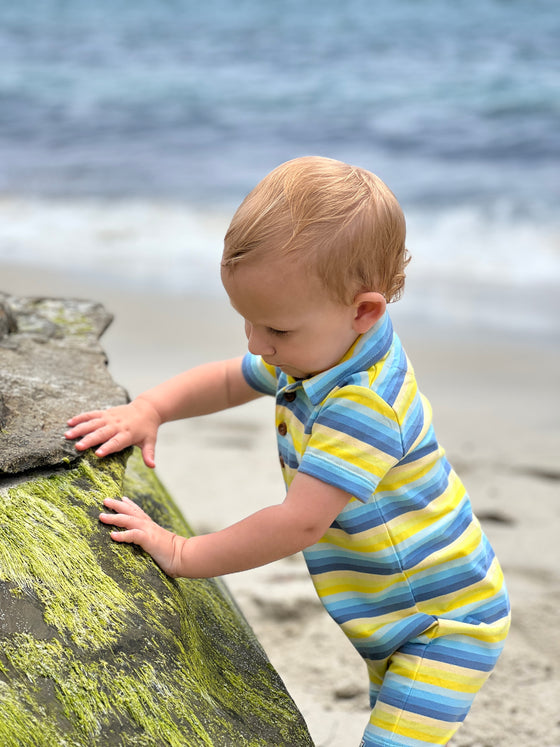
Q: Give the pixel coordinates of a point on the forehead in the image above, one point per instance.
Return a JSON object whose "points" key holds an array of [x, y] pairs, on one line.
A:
{"points": [[274, 293]]}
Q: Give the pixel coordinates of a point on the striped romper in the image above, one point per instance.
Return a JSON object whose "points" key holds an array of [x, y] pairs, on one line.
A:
{"points": [[405, 568]]}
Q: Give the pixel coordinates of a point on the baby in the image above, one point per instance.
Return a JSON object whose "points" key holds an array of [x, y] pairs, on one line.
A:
{"points": [[311, 258]]}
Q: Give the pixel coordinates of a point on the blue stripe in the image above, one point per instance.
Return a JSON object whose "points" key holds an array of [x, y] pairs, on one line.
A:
{"points": [[352, 562], [413, 423], [428, 445], [413, 496], [431, 704], [437, 540], [391, 504], [357, 517], [392, 375], [326, 558], [301, 411], [256, 375], [386, 641], [359, 485], [455, 650], [342, 611], [364, 428]]}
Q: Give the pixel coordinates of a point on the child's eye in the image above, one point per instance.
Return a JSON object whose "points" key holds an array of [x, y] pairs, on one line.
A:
{"points": [[277, 332]]}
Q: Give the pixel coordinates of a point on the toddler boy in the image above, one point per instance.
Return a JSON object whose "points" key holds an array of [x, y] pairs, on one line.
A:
{"points": [[311, 258]]}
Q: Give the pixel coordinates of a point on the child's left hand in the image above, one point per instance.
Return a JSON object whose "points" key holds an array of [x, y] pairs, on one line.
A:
{"points": [[162, 545]]}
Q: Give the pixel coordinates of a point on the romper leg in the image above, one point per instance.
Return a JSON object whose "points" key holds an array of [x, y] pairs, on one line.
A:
{"points": [[427, 691]]}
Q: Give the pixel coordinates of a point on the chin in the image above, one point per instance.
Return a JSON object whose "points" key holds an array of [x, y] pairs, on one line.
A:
{"points": [[297, 373], [294, 372]]}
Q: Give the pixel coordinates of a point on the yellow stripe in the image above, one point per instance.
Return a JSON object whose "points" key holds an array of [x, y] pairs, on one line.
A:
{"points": [[407, 525], [406, 395], [335, 582], [364, 628], [439, 674], [462, 546], [401, 475], [350, 449], [479, 591], [368, 398], [403, 527], [364, 542], [394, 721], [341, 582]]}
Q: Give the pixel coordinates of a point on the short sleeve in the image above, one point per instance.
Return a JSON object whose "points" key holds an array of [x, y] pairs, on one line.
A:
{"points": [[258, 374], [354, 442]]}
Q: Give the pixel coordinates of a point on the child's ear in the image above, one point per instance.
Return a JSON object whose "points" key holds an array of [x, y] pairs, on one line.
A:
{"points": [[369, 308]]}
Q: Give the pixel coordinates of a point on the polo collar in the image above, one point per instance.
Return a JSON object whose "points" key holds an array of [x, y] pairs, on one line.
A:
{"points": [[368, 349]]}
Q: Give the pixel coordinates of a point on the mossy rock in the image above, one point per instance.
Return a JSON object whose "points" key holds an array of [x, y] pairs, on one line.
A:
{"points": [[100, 647], [97, 645]]}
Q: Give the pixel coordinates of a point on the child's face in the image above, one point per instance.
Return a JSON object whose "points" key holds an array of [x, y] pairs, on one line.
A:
{"points": [[290, 319]]}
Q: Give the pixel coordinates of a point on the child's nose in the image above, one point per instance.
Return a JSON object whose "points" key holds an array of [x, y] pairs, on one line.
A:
{"points": [[257, 342]]}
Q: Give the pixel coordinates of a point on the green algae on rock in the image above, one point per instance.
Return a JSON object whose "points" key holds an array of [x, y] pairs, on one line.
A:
{"points": [[97, 645], [121, 653]]}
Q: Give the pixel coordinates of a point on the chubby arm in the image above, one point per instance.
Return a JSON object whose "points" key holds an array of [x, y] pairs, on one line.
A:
{"points": [[272, 533], [199, 391]]}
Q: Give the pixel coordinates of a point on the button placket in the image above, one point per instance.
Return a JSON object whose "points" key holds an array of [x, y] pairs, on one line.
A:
{"points": [[282, 427]]}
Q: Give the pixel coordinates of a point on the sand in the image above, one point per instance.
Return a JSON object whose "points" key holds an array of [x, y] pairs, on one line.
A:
{"points": [[496, 410]]}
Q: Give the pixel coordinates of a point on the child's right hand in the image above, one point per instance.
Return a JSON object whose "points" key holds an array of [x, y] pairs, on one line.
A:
{"points": [[135, 424], [162, 545]]}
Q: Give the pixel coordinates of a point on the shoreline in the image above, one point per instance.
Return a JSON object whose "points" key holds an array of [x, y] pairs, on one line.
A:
{"points": [[497, 413]]}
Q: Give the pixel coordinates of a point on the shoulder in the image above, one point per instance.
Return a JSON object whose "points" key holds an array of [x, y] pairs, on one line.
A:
{"points": [[382, 396], [357, 411], [391, 379]]}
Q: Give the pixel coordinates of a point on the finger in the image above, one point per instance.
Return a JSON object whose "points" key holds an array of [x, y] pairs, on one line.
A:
{"points": [[110, 445], [133, 536], [114, 519], [83, 416], [149, 454], [94, 439], [87, 426], [126, 521], [93, 434], [124, 506], [115, 504]]}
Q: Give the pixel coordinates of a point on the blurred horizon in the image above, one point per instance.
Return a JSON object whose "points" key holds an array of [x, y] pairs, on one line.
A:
{"points": [[130, 132]]}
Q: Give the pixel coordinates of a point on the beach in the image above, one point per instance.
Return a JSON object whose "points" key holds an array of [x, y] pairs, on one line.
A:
{"points": [[130, 132], [496, 411]]}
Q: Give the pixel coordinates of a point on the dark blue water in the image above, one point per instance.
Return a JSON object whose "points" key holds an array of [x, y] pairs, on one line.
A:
{"points": [[446, 101], [129, 131]]}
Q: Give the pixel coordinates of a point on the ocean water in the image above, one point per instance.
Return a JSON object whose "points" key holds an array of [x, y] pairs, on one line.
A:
{"points": [[129, 132]]}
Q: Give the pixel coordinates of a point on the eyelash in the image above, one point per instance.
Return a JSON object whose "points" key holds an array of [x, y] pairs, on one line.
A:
{"points": [[277, 332]]}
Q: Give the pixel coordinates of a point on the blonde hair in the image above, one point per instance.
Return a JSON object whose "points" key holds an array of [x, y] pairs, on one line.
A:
{"points": [[343, 222]]}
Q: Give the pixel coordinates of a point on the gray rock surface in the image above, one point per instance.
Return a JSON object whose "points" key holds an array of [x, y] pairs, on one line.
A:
{"points": [[50, 357]]}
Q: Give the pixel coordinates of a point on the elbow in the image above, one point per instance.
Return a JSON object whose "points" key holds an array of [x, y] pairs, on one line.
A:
{"points": [[312, 533]]}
